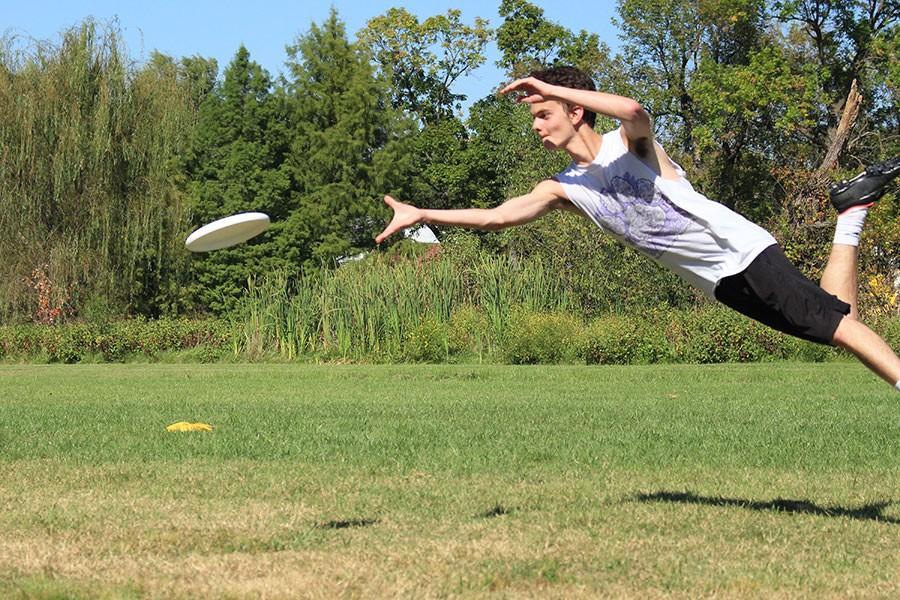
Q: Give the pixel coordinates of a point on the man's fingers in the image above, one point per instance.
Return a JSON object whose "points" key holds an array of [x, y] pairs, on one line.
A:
{"points": [[527, 92], [517, 84], [391, 228], [511, 87], [528, 85], [405, 215], [383, 235], [530, 99]]}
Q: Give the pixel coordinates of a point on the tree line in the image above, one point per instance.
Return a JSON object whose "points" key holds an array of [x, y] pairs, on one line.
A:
{"points": [[106, 164]]}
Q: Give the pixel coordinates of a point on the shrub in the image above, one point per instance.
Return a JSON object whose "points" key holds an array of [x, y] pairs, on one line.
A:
{"points": [[468, 331], [801, 350], [717, 334], [889, 329], [120, 339], [426, 342], [533, 338], [712, 335], [22, 340], [621, 339], [70, 343], [114, 342]]}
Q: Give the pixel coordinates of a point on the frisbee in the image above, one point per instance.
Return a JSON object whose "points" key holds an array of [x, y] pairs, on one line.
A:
{"points": [[228, 231]]}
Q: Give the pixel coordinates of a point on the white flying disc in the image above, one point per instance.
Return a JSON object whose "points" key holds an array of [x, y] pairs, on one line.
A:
{"points": [[226, 232]]}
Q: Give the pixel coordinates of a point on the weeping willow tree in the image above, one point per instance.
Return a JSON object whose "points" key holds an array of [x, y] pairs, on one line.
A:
{"points": [[91, 218]]}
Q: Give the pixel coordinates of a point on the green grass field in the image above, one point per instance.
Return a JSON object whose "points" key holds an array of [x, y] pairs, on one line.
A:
{"points": [[762, 480]]}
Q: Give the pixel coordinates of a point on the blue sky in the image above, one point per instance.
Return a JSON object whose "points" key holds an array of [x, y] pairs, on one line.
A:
{"points": [[265, 27]]}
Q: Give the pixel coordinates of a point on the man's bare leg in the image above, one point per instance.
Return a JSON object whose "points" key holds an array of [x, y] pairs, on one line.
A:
{"points": [[841, 273], [840, 279], [840, 276], [869, 348]]}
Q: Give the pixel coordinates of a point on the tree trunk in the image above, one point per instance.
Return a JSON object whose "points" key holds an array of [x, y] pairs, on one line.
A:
{"points": [[848, 119], [809, 197]]}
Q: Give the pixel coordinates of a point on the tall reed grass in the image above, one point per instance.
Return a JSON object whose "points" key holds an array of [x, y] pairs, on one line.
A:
{"points": [[370, 308]]}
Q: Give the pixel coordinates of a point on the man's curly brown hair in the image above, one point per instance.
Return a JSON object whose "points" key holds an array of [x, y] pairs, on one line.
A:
{"points": [[569, 77]]}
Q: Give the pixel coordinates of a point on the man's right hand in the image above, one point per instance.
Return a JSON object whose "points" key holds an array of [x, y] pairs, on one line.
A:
{"points": [[531, 90], [405, 215]]}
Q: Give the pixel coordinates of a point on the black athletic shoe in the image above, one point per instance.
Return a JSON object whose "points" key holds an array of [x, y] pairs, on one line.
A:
{"points": [[866, 187]]}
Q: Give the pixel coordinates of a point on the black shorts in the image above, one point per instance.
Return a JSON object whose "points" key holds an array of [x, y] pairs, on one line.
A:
{"points": [[774, 292]]}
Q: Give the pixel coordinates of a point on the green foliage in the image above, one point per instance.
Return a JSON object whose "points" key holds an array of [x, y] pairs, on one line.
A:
{"points": [[113, 341], [345, 313], [848, 41], [502, 284], [440, 152], [293, 328], [468, 331], [661, 47], [540, 338], [528, 41], [842, 36], [743, 112], [68, 344], [505, 156], [602, 274], [886, 54], [880, 260], [466, 304], [87, 176], [371, 306], [619, 339], [718, 334], [423, 59], [889, 329], [426, 342], [316, 155], [234, 165], [347, 152]]}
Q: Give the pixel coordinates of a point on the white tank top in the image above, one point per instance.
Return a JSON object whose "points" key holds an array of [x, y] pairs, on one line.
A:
{"points": [[700, 240]]}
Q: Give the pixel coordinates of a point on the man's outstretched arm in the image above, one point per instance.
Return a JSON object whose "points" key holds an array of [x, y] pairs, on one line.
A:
{"points": [[546, 196]]}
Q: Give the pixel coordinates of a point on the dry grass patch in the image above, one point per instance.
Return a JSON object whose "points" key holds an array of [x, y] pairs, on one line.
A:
{"points": [[422, 535]]}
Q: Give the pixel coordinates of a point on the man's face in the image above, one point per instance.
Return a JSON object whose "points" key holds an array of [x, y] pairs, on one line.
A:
{"points": [[552, 121]]}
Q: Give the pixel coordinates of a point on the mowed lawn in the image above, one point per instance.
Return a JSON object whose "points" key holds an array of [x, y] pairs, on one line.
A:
{"points": [[762, 480]]}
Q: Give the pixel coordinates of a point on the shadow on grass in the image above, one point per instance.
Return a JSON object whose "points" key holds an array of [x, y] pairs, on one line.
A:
{"points": [[498, 510], [867, 512], [347, 524]]}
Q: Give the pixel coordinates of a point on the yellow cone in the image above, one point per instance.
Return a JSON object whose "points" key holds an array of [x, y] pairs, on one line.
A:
{"points": [[185, 426]]}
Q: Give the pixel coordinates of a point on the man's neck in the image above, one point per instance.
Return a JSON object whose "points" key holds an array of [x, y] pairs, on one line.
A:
{"points": [[585, 145]]}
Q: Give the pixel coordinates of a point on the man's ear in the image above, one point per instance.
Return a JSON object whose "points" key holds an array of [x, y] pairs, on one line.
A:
{"points": [[576, 113]]}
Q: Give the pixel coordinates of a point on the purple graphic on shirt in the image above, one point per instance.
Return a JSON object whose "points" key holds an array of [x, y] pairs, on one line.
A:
{"points": [[634, 209]]}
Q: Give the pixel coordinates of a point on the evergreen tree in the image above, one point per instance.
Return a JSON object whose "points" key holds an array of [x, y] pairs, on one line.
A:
{"points": [[235, 165], [347, 150]]}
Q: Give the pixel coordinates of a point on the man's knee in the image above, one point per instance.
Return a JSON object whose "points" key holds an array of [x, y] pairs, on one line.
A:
{"points": [[844, 331]]}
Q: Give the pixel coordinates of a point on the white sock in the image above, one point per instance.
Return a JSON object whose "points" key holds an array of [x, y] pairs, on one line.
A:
{"points": [[898, 386], [849, 225]]}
